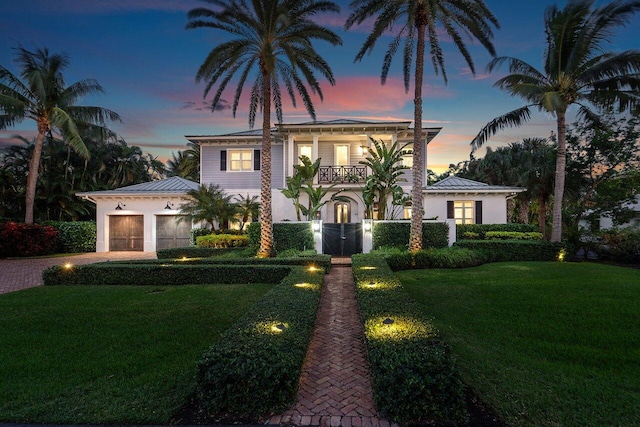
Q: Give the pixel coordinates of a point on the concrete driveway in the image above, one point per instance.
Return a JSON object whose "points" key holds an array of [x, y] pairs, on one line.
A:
{"points": [[17, 274]]}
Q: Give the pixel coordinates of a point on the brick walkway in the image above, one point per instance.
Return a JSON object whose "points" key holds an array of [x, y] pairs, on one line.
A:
{"points": [[335, 389], [17, 274]]}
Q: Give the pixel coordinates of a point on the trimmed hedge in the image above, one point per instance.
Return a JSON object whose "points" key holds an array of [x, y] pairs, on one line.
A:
{"points": [[454, 257], [195, 252], [26, 240], [481, 229], [415, 380], [396, 234], [254, 369], [222, 241], [512, 235], [75, 236], [127, 273], [286, 235], [514, 250], [198, 231]]}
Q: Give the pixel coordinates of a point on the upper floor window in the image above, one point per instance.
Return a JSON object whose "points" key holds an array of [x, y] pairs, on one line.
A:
{"points": [[240, 160], [341, 155], [305, 150]]}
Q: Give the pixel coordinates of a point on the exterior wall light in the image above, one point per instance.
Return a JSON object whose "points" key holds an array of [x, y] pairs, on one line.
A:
{"points": [[120, 206], [169, 206]]}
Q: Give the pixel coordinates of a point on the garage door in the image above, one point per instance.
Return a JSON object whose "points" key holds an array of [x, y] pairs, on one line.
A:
{"points": [[126, 233], [172, 233]]}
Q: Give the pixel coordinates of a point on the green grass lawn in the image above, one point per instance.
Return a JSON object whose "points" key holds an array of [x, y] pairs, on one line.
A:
{"points": [[118, 354], [542, 343]]}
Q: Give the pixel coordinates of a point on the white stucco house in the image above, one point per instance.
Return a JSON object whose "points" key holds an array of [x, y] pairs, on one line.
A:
{"points": [[233, 161]]}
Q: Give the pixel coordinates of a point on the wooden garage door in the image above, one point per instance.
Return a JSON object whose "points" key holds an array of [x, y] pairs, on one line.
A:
{"points": [[171, 233], [126, 233]]}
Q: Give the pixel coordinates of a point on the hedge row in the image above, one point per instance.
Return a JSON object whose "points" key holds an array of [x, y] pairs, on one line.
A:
{"points": [[454, 257], [222, 241], [75, 236], [112, 273], [415, 380], [481, 229], [254, 369], [396, 234], [514, 250], [195, 252], [286, 235]]}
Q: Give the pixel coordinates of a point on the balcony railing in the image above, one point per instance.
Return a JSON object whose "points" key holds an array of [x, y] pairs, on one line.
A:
{"points": [[341, 174]]}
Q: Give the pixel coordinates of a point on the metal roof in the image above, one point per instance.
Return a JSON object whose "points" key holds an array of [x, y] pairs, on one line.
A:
{"points": [[462, 185], [174, 185]]}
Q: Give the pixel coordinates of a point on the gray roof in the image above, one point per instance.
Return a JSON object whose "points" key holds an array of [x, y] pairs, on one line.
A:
{"points": [[174, 185], [457, 184]]}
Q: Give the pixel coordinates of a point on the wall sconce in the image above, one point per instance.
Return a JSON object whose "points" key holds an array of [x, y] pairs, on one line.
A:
{"points": [[316, 224], [169, 206], [120, 206], [368, 225], [364, 150]]}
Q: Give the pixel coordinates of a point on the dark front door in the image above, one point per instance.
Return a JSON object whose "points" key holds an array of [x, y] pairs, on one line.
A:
{"points": [[126, 233], [171, 232], [342, 239]]}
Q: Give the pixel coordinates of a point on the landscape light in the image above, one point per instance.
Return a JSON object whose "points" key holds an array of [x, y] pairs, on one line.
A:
{"points": [[388, 321]]}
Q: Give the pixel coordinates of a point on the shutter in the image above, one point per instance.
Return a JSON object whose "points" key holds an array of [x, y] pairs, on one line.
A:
{"points": [[256, 160], [450, 214], [478, 211], [223, 160]]}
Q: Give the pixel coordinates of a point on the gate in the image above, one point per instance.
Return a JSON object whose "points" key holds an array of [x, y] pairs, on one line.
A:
{"points": [[342, 239]]}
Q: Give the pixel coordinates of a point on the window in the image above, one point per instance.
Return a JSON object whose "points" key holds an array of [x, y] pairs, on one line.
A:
{"points": [[304, 150], [240, 160], [341, 155], [463, 212]]}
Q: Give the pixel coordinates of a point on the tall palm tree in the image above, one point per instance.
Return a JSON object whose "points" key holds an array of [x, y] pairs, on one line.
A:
{"points": [[578, 69], [43, 96], [273, 40], [420, 22]]}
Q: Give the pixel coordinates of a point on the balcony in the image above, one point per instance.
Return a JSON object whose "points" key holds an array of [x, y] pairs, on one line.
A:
{"points": [[341, 174]]}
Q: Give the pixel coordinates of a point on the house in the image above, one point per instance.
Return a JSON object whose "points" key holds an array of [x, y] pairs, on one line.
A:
{"points": [[606, 222], [233, 161]]}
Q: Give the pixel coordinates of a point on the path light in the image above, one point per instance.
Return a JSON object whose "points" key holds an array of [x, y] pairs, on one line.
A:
{"points": [[68, 266], [313, 268], [280, 327], [372, 284], [388, 321], [367, 267]]}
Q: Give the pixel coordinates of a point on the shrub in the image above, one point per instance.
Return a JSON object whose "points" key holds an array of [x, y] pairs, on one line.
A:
{"points": [[289, 235], [24, 240], [254, 369], [454, 257], [415, 380], [396, 234], [198, 231], [620, 245], [195, 252], [482, 229], [513, 235], [514, 250], [76, 236], [222, 241]]}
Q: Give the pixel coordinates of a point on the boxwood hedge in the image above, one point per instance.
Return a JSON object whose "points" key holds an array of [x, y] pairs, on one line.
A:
{"points": [[286, 235], [254, 369], [321, 261], [481, 229], [514, 250], [415, 380], [195, 252], [396, 234]]}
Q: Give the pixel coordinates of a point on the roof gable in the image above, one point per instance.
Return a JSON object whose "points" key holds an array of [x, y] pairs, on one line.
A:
{"points": [[173, 185], [455, 184]]}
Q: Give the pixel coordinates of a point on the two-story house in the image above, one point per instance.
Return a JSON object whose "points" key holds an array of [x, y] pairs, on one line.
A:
{"points": [[233, 161]]}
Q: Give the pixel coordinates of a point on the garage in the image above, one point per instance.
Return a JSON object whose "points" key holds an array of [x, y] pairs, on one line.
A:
{"points": [[126, 233], [172, 232]]}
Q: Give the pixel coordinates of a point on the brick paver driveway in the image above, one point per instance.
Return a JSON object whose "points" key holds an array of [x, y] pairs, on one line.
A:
{"points": [[17, 274]]}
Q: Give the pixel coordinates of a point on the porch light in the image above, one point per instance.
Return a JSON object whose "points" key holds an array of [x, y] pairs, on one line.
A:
{"points": [[368, 224], [316, 224], [169, 205], [120, 206]]}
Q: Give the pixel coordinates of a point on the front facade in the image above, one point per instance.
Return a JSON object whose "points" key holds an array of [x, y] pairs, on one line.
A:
{"points": [[146, 216]]}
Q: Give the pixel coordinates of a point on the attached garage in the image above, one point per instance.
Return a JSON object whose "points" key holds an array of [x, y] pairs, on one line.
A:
{"points": [[126, 232], [142, 217], [172, 231]]}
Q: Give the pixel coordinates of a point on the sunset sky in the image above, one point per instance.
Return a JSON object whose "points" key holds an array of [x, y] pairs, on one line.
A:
{"points": [[140, 52]]}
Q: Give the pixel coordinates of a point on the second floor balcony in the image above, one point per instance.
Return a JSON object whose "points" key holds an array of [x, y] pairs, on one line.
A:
{"points": [[342, 174]]}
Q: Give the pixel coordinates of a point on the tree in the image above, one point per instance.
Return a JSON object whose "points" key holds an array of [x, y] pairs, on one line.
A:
{"points": [[273, 40], [578, 69], [248, 209], [387, 171], [210, 204], [43, 96], [421, 21], [186, 163]]}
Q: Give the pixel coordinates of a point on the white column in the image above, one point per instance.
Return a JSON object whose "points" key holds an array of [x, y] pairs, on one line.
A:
{"points": [[289, 166], [314, 154]]}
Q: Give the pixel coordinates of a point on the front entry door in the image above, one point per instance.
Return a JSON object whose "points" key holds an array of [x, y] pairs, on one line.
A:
{"points": [[342, 239]]}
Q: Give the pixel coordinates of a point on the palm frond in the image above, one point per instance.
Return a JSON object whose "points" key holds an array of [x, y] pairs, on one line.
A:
{"points": [[513, 118]]}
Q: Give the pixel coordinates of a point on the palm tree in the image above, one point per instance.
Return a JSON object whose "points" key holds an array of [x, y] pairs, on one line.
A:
{"points": [[208, 203], [273, 41], [186, 163], [43, 96], [420, 22], [248, 209], [577, 70]]}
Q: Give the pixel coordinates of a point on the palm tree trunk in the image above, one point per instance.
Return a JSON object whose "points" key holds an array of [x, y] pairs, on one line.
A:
{"points": [[561, 162], [32, 177], [415, 235], [266, 220]]}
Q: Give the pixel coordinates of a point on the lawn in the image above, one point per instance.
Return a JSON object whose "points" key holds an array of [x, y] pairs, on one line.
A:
{"points": [[542, 343], [118, 354]]}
